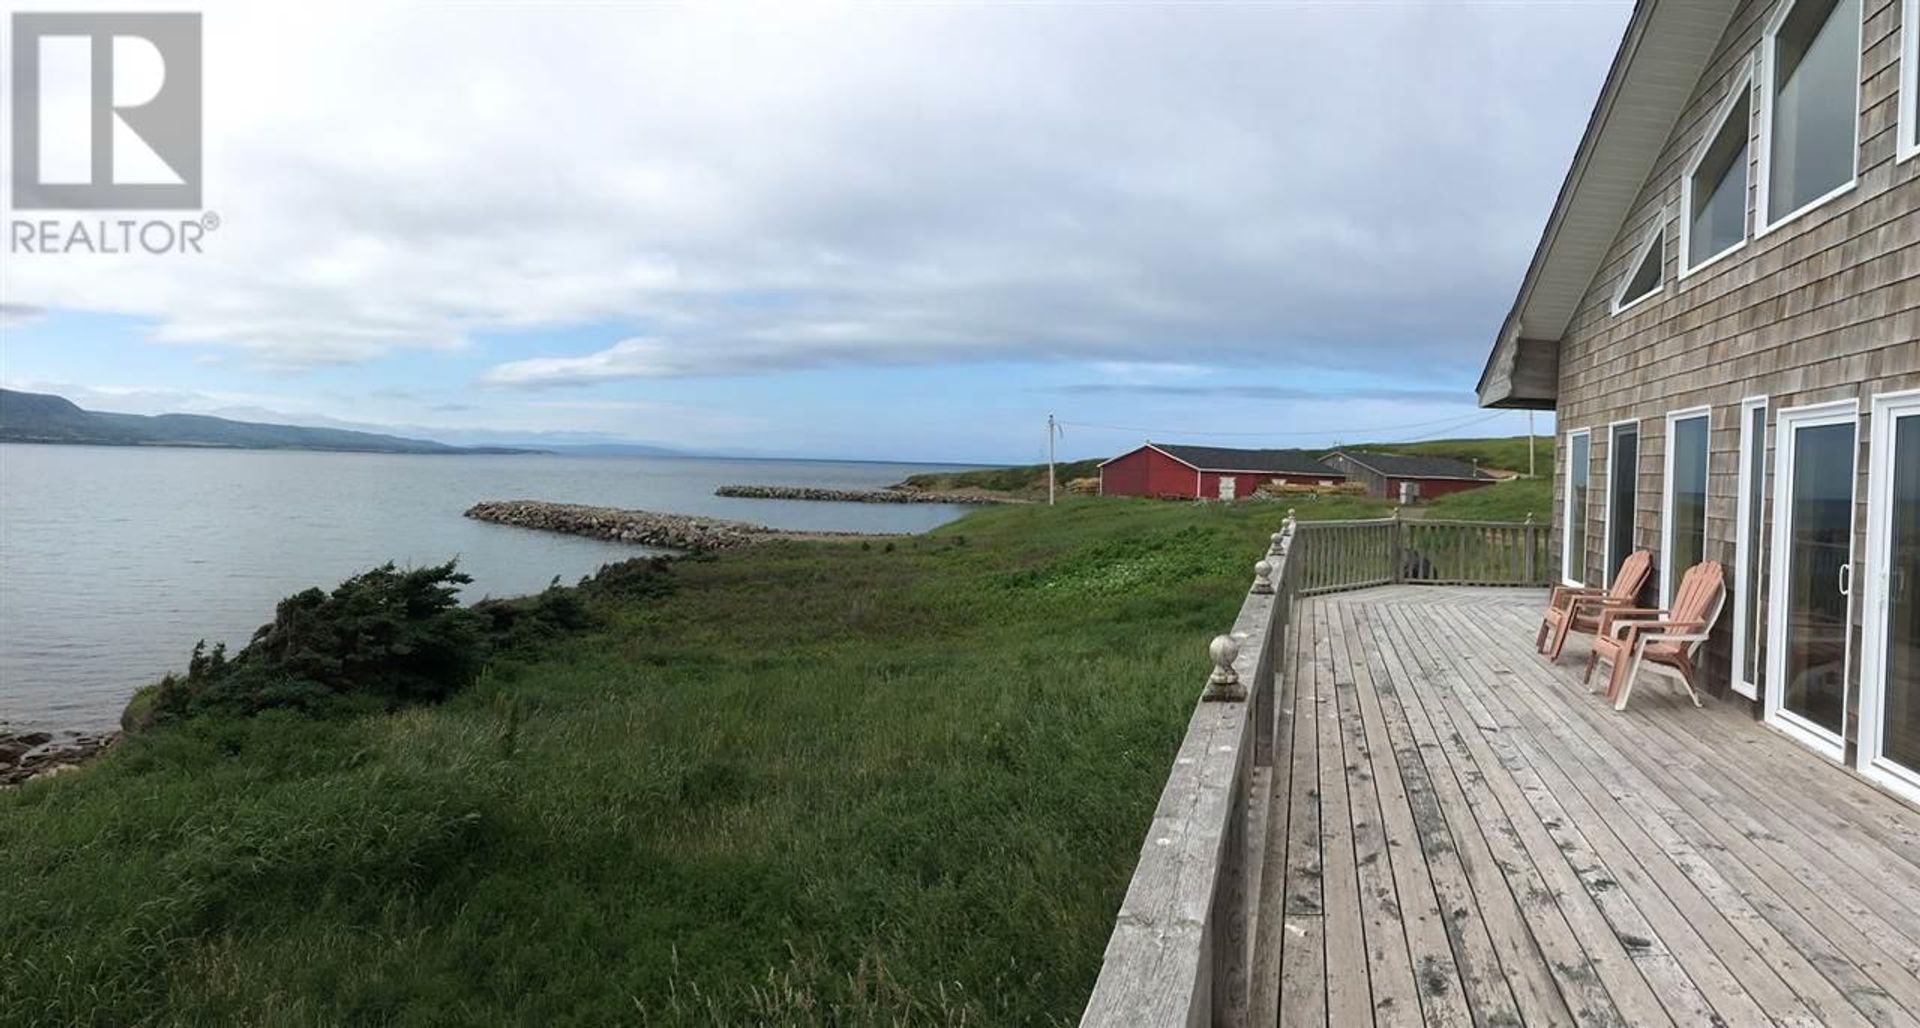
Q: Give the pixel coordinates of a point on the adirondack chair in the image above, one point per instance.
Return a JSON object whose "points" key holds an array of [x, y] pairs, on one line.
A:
{"points": [[1668, 639], [1573, 608]]}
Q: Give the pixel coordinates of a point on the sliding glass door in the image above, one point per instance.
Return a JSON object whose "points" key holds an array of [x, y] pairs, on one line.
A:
{"points": [[1623, 474], [1890, 663], [1807, 647]]}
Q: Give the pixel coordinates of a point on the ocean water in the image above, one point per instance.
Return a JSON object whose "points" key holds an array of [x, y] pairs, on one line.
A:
{"points": [[114, 560]]}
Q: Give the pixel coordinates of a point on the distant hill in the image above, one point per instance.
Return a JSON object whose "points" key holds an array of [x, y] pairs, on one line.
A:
{"points": [[44, 418], [1508, 453]]}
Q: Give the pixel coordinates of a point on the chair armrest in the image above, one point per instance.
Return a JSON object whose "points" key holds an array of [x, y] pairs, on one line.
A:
{"points": [[1620, 617], [1695, 631], [1564, 595], [1579, 603]]}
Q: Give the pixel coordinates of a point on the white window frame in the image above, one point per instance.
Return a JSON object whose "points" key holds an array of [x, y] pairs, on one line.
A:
{"points": [[1669, 573], [1870, 757], [1908, 144], [1742, 83], [1567, 515], [1743, 528], [1655, 237], [1613, 454], [1762, 226], [1775, 713]]}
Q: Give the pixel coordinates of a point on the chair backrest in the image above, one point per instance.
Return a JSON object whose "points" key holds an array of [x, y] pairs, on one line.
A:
{"points": [[1632, 575], [1702, 592]]}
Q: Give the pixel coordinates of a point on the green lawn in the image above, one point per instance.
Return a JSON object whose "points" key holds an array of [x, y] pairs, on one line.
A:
{"points": [[1029, 480], [1507, 453], [819, 783], [1511, 500]]}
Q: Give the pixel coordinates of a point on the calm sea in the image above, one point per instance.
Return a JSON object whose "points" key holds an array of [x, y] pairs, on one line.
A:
{"points": [[114, 560]]}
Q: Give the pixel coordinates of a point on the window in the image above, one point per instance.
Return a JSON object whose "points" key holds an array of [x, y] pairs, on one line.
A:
{"points": [[1623, 473], [1683, 518], [1713, 219], [1645, 279], [1573, 531], [1810, 106], [1909, 143]]}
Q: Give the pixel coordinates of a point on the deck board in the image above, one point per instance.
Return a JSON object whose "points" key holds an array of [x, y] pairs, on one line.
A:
{"points": [[1471, 837]]}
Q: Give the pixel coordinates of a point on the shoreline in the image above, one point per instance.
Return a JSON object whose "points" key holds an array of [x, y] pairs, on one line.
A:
{"points": [[30, 753]]}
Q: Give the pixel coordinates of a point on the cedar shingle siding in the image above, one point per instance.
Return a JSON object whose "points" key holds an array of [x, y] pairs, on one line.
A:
{"points": [[1825, 307]]}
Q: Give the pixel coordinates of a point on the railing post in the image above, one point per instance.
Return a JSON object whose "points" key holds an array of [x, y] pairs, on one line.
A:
{"points": [[1398, 533], [1530, 560]]}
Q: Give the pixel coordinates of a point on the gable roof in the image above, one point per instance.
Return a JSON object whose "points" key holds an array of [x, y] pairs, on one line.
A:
{"points": [[1667, 45], [1223, 458], [1395, 465]]}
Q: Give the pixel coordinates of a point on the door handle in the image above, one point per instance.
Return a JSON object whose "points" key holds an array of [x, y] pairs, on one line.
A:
{"points": [[1846, 579]]}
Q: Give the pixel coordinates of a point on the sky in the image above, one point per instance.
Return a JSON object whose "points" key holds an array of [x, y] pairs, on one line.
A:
{"points": [[874, 232]]}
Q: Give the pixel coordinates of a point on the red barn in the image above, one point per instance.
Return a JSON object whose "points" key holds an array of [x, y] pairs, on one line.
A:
{"points": [[1403, 479], [1209, 472]]}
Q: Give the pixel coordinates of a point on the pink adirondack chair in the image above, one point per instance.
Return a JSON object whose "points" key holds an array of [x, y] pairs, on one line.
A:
{"points": [[1669, 639], [1577, 608]]}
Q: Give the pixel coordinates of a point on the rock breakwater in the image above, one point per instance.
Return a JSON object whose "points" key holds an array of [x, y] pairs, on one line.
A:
{"points": [[795, 492], [641, 527]]}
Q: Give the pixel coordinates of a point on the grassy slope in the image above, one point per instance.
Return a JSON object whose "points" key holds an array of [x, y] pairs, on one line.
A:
{"points": [[1503, 501], [1020, 480], [1508, 453], [820, 783]]}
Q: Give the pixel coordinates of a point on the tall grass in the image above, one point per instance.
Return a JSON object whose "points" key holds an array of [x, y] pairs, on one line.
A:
{"points": [[820, 783]]}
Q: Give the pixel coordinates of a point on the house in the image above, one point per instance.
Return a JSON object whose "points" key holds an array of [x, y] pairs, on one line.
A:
{"points": [[1208, 472], [1723, 312], [1408, 479]]}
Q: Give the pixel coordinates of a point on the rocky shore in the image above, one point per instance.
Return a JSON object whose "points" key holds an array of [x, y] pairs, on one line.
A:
{"points": [[794, 492], [35, 754], [644, 528]]}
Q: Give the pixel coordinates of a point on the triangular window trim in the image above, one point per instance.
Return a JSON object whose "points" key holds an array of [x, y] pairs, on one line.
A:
{"points": [[1653, 251]]}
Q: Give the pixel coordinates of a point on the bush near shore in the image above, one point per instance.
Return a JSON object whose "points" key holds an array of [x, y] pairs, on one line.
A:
{"points": [[814, 783]]}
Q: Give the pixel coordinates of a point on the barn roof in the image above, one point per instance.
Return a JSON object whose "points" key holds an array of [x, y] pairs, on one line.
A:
{"points": [[1274, 462], [1668, 43], [1394, 465]]}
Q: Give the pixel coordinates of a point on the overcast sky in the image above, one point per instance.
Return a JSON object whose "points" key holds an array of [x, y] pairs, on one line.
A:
{"points": [[874, 232]]}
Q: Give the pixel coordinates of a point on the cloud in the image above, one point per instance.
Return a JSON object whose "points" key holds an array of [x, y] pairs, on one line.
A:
{"points": [[793, 187], [20, 315], [1266, 392]]}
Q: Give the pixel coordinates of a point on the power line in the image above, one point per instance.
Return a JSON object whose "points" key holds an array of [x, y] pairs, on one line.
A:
{"points": [[1438, 424]]}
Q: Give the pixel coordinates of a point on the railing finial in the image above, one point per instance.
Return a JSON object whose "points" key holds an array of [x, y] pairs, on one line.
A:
{"points": [[1263, 575], [1224, 683]]}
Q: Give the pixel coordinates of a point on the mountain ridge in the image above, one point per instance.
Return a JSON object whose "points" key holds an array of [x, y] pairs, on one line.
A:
{"points": [[46, 418]]}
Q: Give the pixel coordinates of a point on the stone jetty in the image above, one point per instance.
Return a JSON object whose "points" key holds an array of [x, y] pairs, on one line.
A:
{"points": [[640, 527], [796, 492]]}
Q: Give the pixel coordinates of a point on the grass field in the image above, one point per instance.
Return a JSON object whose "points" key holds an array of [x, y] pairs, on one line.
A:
{"points": [[1511, 500], [1507, 453], [820, 783], [1029, 480]]}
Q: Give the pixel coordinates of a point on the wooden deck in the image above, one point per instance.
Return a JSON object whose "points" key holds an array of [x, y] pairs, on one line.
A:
{"points": [[1460, 834]]}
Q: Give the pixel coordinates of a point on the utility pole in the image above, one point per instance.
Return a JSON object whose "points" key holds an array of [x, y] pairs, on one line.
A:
{"points": [[1530, 449], [1050, 429]]}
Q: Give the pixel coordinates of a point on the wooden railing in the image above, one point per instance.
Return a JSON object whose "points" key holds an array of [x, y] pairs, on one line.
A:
{"points": [[1337, 555], [1182, 947]]}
